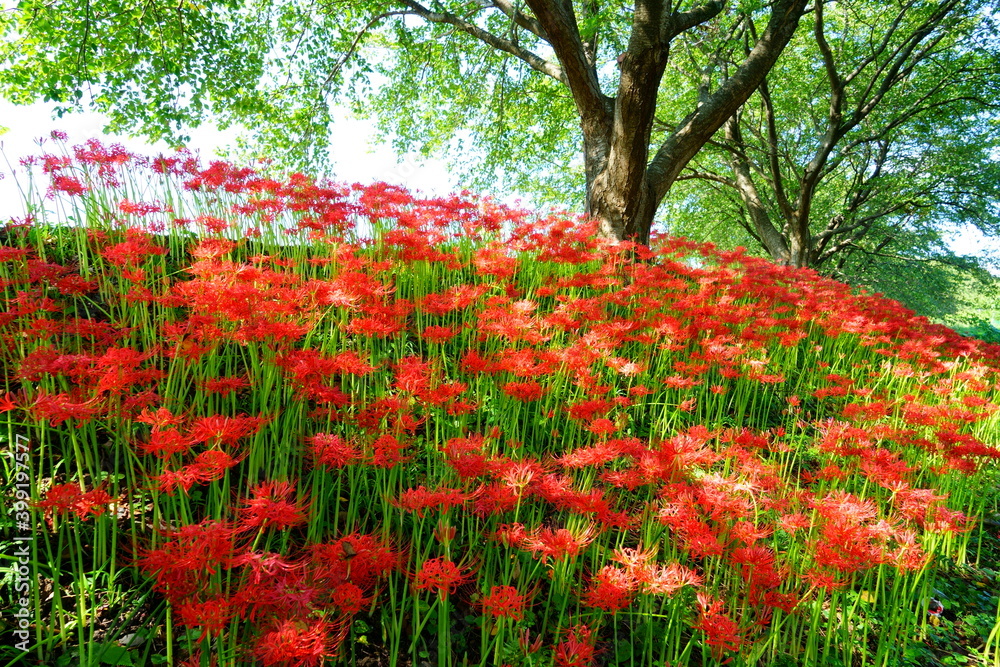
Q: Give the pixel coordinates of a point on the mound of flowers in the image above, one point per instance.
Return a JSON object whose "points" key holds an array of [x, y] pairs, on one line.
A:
{"points": [[289, 422]]}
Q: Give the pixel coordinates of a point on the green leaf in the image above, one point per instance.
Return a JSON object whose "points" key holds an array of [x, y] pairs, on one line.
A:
{"points": [[112, 654]]}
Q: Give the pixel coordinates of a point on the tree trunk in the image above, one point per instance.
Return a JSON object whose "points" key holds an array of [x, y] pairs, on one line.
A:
{"points": [[625, 187], [769, 235], [620, 195]]}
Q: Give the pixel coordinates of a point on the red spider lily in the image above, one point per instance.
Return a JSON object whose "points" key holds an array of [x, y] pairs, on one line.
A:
{"points": [[180, 564], [370, 417], [493, 261], [68, 184], [212, 248], [693, 323], [9, 254], [377, 325], [456, 447], [473, 364], [332, 451], [446, 392], [269, 506], [295, 594], [597, 455], [438, 334], [503, 602], [387, 452], [467, 461], [212, 616], [908, 555], [557, 544], [444, 532], [185, 478], [588, 409], [495, 498], [349, 598], [364, 558], [260, 568], [722, 634], [526, 644], [223, 385], [223, 429], [525, 391], [139, 209], [527, 363], [413, 375], [69, 498], [817, 578], [947, 520], [132, 252], [454, 298], [308, 366], [7, 402], [611, 589], [159, 418], [577, 650], [292, 643], [195, 659], [588, 503], [212, 224], [603, 427], [165, 443], [518, 475], [670, 579], [209, 466], [636, 561], [74, 285], [58, 408], [439, 575], [757, 566], [420, 499]]}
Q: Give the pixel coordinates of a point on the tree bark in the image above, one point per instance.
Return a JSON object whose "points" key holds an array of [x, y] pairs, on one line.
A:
{"points": [[619, 196]]}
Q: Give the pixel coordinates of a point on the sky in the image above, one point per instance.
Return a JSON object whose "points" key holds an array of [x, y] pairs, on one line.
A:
{"points": [[356, 154]]}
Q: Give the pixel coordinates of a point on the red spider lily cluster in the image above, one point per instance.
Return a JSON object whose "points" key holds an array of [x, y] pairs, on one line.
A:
{"points": [[282, 595], [347, 402]]}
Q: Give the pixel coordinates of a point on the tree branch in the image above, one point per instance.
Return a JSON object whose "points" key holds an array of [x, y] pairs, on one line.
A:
{"points": [[558, 20], [772, 151], [900, 55], [518, 17], [691, 174], [883, 45], [677, 22], [533, 60], [354, 44], [590, 44], [777, 245]]}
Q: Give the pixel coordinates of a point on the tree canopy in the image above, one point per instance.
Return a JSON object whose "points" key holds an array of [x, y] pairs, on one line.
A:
{"points": [[887, 135]]}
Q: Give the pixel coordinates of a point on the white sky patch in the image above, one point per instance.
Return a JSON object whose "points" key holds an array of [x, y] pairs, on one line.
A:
{"points": [[970, 241]]}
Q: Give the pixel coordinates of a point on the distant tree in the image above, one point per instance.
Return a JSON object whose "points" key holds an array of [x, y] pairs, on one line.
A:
{"points": [[873, 138]]}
